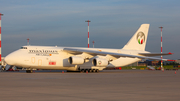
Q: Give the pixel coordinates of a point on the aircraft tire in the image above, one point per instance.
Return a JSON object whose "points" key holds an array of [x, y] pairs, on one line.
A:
{"points": [[93, 70], [29, 71], [82, 70], [90, 70], [97, 70]]}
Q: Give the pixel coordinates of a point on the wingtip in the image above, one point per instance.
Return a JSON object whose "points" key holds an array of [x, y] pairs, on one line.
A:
{"points": [[171, 60], [170, 53]]}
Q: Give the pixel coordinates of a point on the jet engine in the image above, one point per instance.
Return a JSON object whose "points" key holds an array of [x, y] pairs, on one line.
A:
{"points": [[100, 62], [75, 60]]}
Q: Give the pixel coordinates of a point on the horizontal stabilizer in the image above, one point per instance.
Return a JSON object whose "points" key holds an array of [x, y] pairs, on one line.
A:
{"points": [[155, 54]]}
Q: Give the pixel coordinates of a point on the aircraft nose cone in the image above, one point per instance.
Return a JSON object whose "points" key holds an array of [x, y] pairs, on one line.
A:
{"points": [[10, 59]]}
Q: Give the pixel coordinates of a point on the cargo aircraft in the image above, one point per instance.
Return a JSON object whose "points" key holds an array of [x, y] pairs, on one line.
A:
{"points": [[83, 59]]}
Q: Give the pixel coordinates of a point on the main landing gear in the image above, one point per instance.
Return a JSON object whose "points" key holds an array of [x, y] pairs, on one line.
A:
{"points": [[29, 71], [89, 70]]}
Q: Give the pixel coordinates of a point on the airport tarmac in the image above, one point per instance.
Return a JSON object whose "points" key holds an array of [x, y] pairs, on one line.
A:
{"points": [[109, 85]]}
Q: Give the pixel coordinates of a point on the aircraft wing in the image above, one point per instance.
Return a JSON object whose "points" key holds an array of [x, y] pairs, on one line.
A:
{"points": [[154, 54], [94, 53]]}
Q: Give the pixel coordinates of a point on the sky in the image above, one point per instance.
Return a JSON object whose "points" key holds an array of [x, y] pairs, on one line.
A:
{"points": [[113, 22]]}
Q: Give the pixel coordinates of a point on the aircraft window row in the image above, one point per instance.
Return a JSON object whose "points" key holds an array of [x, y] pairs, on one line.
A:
{"points": [[23, 47]]}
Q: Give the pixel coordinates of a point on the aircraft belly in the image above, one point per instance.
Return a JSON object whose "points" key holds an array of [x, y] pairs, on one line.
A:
{"points": [[54, 68], [51, 63]]}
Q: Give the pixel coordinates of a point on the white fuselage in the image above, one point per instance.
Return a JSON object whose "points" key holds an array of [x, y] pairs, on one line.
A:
{"points": [[46, 57], [81, 59]]}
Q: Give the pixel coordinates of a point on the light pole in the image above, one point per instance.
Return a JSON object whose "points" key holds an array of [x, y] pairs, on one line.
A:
{"points": [[161, 51], [88, 31], [28, 41], [93, 44], [0, 37]]}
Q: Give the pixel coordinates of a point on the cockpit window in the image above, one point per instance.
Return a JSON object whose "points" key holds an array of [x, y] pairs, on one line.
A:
{"points": [[23, 47]]}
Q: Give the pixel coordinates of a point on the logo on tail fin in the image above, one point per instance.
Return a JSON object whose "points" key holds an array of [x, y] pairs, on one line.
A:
{"points": [[140, 37]]}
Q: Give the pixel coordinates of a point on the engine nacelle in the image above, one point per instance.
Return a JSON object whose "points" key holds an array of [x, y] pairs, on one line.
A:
{"points": [[75, 60], [100, 62]]}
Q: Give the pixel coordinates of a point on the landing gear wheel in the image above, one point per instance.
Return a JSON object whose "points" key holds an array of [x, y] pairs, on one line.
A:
{"points": [[97, 70], [93, 70], [82, 70], [29, 71], [90, 70]]}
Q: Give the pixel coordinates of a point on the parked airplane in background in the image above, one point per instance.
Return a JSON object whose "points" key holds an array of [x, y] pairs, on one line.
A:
{"points": [[83, 59]]}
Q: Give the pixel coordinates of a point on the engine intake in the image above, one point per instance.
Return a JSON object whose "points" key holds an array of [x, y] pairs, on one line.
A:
{"points": [[75, 60], [100, 62]]}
